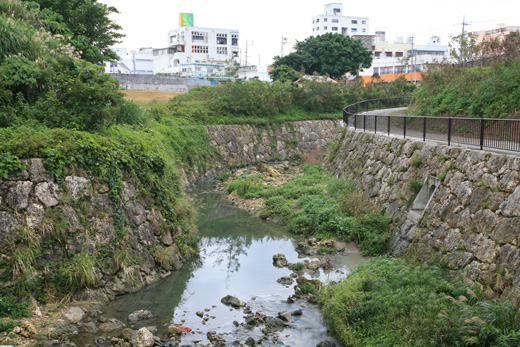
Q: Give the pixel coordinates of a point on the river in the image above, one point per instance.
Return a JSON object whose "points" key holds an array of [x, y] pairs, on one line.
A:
{"points": [[236, 258]]}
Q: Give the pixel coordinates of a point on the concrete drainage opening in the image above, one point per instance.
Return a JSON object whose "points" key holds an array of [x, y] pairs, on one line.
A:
{"points": [[425, 195]]}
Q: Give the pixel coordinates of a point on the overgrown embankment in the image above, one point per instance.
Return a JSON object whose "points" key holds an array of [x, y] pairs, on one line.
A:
{"points": [[488, 91], [314, 203]]}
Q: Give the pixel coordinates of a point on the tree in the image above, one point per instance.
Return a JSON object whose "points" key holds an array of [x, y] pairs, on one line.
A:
{"points": [[328, 54], [86, 22], [43, 81], [462, 48], [284, 73]]}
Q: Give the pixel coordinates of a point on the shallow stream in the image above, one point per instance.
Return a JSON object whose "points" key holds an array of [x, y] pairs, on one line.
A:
{"points": [[236, 258]]}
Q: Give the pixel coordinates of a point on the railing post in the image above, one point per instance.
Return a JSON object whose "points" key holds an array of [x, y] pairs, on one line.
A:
{"points": [[364, 122], [375, 124], [424, 130], [355, 121], [404, 127], [388, 125], [481, 133], [449, 131]]}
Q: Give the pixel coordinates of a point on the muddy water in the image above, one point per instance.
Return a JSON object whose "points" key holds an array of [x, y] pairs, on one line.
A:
{"points": [[236, 251]]}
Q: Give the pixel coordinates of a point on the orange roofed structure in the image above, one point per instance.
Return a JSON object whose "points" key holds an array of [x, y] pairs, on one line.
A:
{"points": [[416, 76]]}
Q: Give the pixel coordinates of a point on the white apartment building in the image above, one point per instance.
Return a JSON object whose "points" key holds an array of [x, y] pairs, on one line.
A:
{"points": [[332, 21], [405, 58], [136, 63], [197, 49]]}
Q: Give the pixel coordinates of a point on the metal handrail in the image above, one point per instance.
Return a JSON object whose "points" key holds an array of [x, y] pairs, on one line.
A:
{"points": [[481, 132]]}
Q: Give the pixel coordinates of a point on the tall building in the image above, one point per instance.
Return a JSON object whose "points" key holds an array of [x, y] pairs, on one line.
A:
{"points": [[333, 21], [501, 31], [197, 51]]}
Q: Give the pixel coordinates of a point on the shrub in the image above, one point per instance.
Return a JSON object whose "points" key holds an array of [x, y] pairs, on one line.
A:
{"points": [[80, 271], [393, 303]]}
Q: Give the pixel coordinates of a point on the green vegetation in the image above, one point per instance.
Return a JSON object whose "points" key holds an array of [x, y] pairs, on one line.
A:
{"points": [[343, 54], [390, 302], [491, 89], [260, 102], [85, 24], [318, 203]]}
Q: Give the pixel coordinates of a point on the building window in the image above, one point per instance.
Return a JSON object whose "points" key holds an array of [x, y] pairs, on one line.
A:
{"points": [[199, 49], [317, 20], [221, 39], [399, 54], [354, 21], [334, 20], [400, 69], [325, 19], [334, 28], [364, 30], [234, 39], [377, 54], [324, 28], [317, 28], [199, 36], [336, 11], [376, 70], [354, 30], [222, 50], [363, 22], [313, 21], [389, 54], [387, 70]]}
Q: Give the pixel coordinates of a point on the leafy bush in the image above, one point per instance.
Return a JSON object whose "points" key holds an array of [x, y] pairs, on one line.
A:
{"points": [[480, 91], [10, 308], [393, 303], [7, 325], [318, 203]]}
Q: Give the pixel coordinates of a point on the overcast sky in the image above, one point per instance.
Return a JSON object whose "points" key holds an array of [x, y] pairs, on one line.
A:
{"points": [[262, 23]]}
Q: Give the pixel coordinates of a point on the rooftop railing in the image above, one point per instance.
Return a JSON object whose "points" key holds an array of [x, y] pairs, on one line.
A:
{"points": [[480, 132]]}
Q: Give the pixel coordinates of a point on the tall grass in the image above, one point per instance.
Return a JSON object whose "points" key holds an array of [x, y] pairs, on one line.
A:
{"points": [[317, 203], [390, 302]]}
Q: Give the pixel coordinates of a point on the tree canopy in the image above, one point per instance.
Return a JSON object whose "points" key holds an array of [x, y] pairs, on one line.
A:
{"points": [[328, 54], [43, 82], [86, 23]]}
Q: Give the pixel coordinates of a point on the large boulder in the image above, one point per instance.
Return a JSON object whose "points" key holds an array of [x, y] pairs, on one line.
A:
{"points": [[142, 338]]}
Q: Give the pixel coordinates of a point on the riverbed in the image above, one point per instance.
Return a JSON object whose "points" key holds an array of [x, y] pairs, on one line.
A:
{"points": [[236, 258]]}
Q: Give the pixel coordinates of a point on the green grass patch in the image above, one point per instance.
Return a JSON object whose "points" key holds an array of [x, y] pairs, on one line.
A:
{"points": [[390, 302], [319, 203]]}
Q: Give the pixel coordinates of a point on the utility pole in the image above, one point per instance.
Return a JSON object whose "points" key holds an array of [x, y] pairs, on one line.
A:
{"points": [[413, 76], [463, 43], [247, 44], [464, 24], [284, 41]]}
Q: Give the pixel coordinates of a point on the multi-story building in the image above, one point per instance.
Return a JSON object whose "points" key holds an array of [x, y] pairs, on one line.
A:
{"points": [[332, 21], [136, 63], [393, 60], [499, 32], [196, 50]]}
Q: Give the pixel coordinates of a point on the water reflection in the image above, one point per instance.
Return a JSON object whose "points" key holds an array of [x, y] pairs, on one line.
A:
{"points": [[235, 259]]}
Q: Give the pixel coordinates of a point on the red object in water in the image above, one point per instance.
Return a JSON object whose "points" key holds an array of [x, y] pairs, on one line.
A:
{"points": [[186, 329]]}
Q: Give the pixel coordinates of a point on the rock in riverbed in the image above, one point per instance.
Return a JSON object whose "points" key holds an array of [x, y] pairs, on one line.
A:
{"points": [[232, 301]]}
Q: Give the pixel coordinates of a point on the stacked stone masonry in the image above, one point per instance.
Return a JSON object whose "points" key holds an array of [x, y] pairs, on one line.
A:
{"points": [[473, 220], [33, 201], [239, 145]]}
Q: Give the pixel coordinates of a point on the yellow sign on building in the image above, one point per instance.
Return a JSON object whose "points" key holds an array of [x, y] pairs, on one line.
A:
{"points": [[186, 19]]}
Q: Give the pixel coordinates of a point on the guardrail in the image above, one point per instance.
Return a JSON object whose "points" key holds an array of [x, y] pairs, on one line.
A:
{"points": [[480, 132]]}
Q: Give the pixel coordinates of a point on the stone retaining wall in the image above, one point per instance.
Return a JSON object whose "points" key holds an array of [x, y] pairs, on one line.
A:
{"points": [[239, 145], [473, 220], [76, 215]]}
